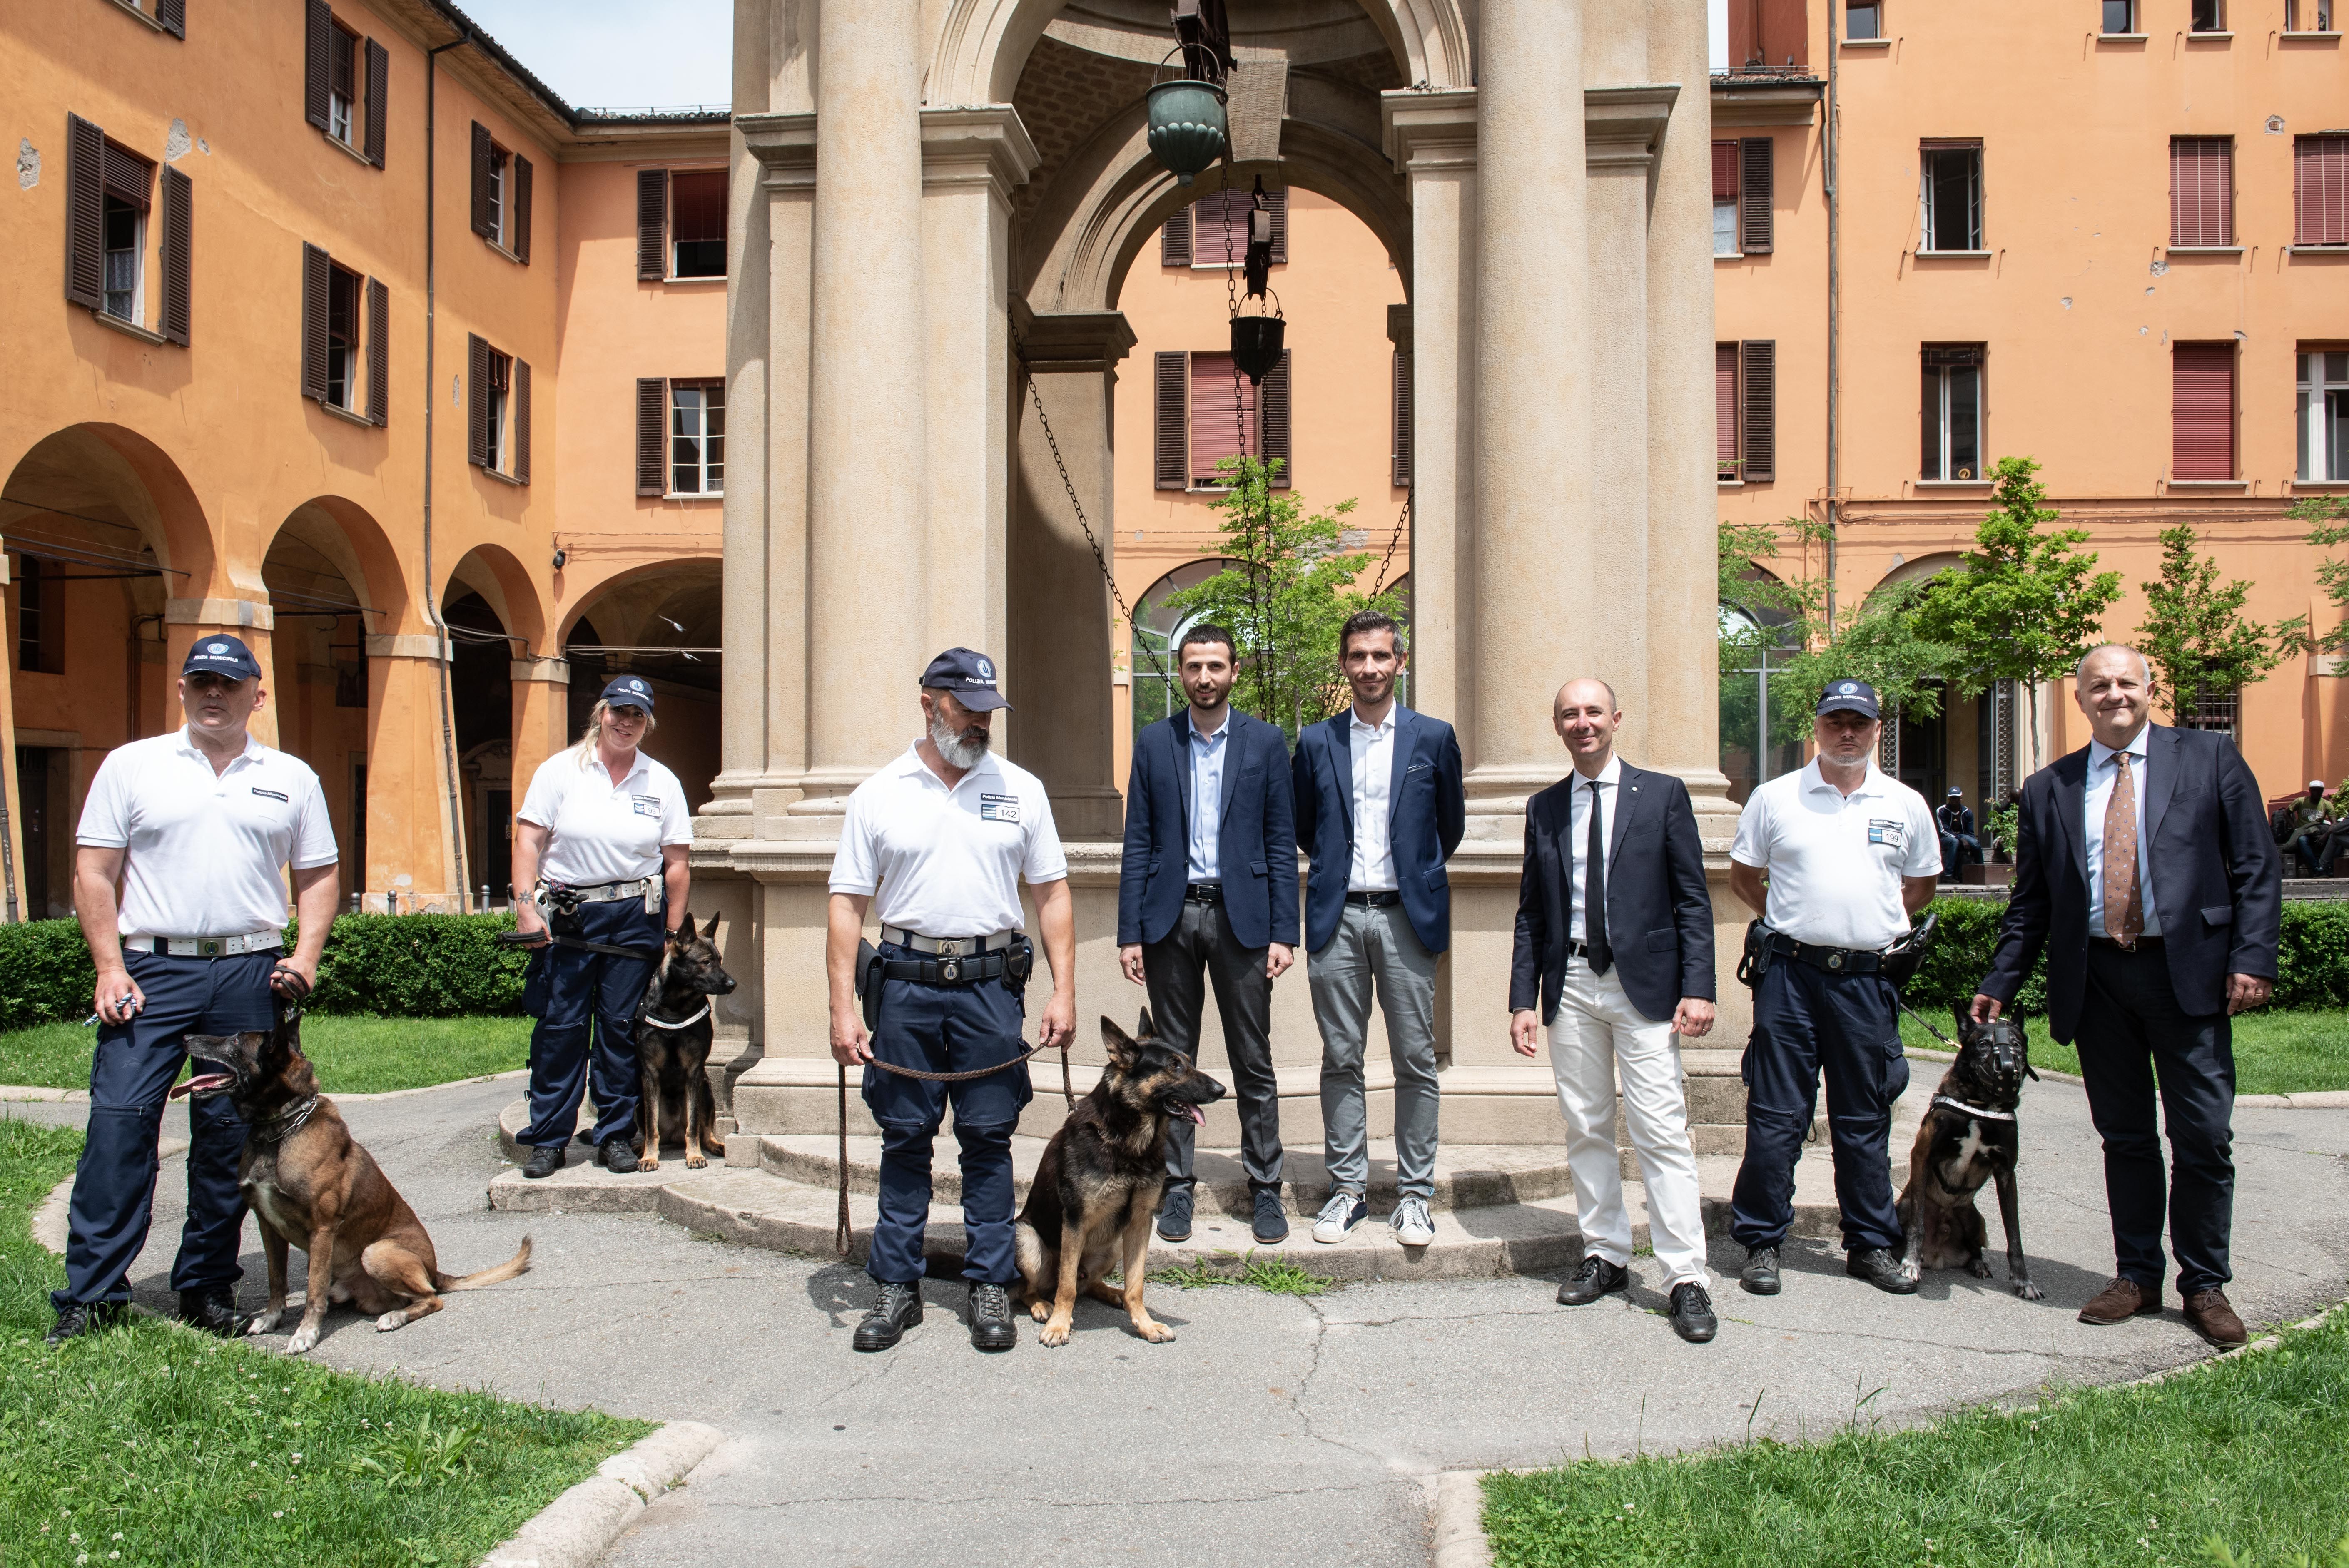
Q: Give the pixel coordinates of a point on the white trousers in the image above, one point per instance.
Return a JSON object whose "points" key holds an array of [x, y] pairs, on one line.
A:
{"points": [[1596, 1031]]}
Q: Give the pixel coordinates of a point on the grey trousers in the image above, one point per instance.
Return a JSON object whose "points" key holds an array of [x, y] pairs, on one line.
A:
{"points": [[1199, 949], [1377, 947]]}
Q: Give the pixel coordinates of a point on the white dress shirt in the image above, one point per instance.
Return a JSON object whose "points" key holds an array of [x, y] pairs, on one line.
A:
{"points": [[1207, 752], [1578, 831], [1373, 750], [2102, 775]]}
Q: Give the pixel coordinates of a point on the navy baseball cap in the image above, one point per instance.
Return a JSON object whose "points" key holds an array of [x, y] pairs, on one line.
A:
{"points": [[222, 654], [1956, 793], [629, 691], [1850, 697], [969, 676]]}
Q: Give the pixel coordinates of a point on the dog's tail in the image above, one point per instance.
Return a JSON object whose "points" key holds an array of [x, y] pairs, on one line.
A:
{"points": [[504, 1271]]}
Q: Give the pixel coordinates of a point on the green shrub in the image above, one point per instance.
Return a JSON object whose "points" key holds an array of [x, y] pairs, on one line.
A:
{"points": [[2313, 956], [45, 974]]}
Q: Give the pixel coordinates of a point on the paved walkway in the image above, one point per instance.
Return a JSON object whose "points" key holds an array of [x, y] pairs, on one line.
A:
{"points": [[1301, 1432]]}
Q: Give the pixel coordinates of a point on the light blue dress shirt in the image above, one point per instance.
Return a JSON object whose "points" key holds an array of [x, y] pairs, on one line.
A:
{"points": [[1207, 798], [2101, 776]]}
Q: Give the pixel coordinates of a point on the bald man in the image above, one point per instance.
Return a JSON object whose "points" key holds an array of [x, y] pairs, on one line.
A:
{"points": [[1614, 956]]}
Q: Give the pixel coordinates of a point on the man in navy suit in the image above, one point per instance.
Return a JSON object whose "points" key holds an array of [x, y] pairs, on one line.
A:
{"points": [[1207, 891], [1614, 954], [2144, 865], [1380, 806]]}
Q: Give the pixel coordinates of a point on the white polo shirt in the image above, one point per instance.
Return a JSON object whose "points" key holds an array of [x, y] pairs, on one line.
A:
{"points": [[598, 831], [207, 851], [947, 863], [1834, 860]]}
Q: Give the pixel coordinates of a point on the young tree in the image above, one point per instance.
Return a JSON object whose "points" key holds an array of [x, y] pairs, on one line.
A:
{"points": [[2194, 635], [2026, 603], [2328, 519], [1885, 645], [1288, 589]]}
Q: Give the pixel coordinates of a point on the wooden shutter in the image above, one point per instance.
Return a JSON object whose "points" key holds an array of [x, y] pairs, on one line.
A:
{"points": [[2203, 410], [519, 166], [652, 410], [318, 34], [2320, 190], [1402, 479], [173, 15], [477, 401], [485, 218], [378, 352], [378, 98], [652, 224], [85, 213], [2202, 191], [317, 281], [1753, 193], [178, 253], [1758, 366], [1220, 422], [127, 176], [1273, 431], [522, 420], [1175, 239], [1278, 201], [1170, 447], [1724, 409]]}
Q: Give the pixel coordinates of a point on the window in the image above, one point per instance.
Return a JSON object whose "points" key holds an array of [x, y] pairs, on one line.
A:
{"points": [[336, 97], [1952, 411], [502, 187], [2321, 415], [2320, 190], [1197, 420], [697, 438], [342, 81], [2308, 15], [1724, 198], [1952, 192], [345, 323], [1746, 407], [2202, 191], [108, 193], [2120, 17], [2209, 16], [342, 336], [1863, 20], [126, 241], [40, 617], [699, 201], [2203, 410], [1213, 231], [2220, 709], [497, 411], [501, 395], [1741, 191]]}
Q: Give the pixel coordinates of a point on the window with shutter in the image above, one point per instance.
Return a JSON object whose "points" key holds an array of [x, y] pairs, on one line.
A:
{"points": [[1175, 239], [2320, 190], [2203, 410], [477, 401], [342, 83], [1758, 409], [1276, 423], [378, 99], [485, 196], [518, 228], [2322, 413], [179, 254], [1223, 416], [1952, 411], [521, 470], [126, 185], [173, 15], [1724, 406], [697, 437], [1402, 479], [2202, 191], [1219, 227], [1170, 447], [652, 225], [317, 291], [1755, 184], [697, 213], [85, 213], [343, 295], [317, 39], [1724, 198], [378, 353], [652, 396]]}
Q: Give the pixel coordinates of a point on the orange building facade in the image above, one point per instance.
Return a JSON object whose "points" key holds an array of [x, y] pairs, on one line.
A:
{"points": [[331, 327]]}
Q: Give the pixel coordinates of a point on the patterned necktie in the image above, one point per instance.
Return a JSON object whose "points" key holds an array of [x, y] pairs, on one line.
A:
{"points": [[2124, 921], [1594, 892]]}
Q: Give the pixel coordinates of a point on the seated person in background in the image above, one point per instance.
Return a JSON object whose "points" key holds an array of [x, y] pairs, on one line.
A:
{"points": [[1958, 843], [2316, 828]]}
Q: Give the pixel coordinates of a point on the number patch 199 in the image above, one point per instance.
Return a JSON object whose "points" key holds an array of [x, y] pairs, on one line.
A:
{"points": [[1894, 833], [998, 808]]}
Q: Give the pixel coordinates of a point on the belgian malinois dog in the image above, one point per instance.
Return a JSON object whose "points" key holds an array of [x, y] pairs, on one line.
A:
{"points": [[1097, 1189], [1968, 1136], [313, 1187], [674, 1030]]}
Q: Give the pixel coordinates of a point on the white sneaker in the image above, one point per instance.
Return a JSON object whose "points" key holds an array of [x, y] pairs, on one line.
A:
{"points": [[1341, 1214], [1413, 1228]]}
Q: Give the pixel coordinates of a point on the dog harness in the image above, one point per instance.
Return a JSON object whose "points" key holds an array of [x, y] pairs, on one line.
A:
{"points": [[699, 1014], [286, 1123], [1974, 1110]]}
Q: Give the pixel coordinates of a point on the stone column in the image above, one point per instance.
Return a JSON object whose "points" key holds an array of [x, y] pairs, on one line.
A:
{"points": [[410, 830], [743, 742]]}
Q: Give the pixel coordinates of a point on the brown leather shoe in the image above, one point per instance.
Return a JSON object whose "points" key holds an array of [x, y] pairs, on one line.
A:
{"points": [[2120, 1301], [2214, 1319]]}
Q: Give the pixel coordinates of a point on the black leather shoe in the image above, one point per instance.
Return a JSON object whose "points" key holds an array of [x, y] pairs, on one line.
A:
{"points": [[76, 1318], [545, 1161], [1693, 1318], [1594, 1279], [1271, 1224], [990, 1317], [899, 1308], [214, 1311], [1879, 1268], [1760, 1274], [1174, 1215], [616, 1156]]}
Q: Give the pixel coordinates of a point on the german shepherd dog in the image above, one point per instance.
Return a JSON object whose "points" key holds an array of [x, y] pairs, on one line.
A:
{"points": [[674, 1028], [1096, 1192], [312, 1187], [1968, 1136]]}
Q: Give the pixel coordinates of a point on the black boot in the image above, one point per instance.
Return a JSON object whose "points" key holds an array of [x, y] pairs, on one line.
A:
{"points": [[1760, 1274], [1879, 1268], [214, 1311], [545, 1161], [618, 1157], [990, 1317], [1594, 1279], [899, 1308], [76, 1318]]}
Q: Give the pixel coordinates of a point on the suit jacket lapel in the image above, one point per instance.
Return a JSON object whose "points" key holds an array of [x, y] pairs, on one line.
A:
{"points": [[1627, 799], [1341, 765], [2071, 801], [2161, 747], [1180, 744], [1235, 764], [1404, 720]]}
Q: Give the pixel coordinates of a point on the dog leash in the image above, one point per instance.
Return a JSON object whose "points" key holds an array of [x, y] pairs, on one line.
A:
{"points": [[517, 939]]}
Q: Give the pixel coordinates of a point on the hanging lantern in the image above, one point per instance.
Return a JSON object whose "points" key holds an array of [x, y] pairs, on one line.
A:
{"points": [[1256, 345], [1188, 127]]}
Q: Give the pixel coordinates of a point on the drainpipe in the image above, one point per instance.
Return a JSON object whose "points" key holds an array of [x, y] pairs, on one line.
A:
{"points": [[1835, 321], [431, 600]]}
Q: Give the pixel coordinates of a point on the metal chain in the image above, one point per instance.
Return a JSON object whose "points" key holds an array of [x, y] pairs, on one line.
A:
{"points": [[1387, 560]]}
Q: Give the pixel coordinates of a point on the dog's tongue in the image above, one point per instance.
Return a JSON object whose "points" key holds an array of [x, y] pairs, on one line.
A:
{"points": [[200, 1081], [1194, 1113]]}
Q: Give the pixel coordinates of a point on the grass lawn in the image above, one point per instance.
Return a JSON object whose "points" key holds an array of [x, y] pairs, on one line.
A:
{"points": [[2275, 1053], [154, 1444], [352, 1055], [2245, 1450]]}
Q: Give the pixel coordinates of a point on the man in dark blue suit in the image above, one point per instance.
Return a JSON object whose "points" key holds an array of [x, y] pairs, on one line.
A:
{"points": [[2145, 867], [1207, 891], [1380, 806]]}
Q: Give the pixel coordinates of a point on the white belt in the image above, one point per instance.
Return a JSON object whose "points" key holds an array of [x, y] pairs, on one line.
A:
{"points": [[612, 892], [948, 946], [206, 947]]}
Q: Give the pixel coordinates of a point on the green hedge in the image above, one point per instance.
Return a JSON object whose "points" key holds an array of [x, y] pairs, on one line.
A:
{"points": [[398, 965]]}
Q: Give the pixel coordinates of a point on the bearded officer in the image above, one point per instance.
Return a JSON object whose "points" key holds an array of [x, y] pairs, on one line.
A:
{"points": [[939, 840]]}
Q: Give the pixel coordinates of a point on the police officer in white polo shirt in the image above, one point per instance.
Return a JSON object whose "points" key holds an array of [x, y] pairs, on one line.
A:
{"points": [[599, 857], [178, 882], [1847, 855], [939, 839]]}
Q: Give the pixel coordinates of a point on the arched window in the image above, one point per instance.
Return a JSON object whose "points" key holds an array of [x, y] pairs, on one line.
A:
{"points": [[1156, 691]]}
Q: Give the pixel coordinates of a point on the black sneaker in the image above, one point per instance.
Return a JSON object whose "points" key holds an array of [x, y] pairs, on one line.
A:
{"points": [[990, 1316], [1693, 1318], [214, 1311], [1271, 1224], [1760, 1274], [616, 1156], [1174, 1215], [1879, 1268], [76, 1318], [899, 1308], [545, 1161], [1594, 1279]]}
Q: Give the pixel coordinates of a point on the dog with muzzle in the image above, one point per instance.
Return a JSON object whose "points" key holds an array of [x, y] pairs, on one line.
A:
{"points": [[310, 1185], [1969, 1137]]}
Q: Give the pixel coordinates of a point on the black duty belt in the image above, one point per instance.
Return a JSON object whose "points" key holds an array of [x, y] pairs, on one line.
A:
{"points": [[1375, 900], [1833, 960], [946, 970], [1204, 893]]}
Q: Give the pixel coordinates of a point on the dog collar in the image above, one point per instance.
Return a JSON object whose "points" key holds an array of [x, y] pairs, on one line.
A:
{"points": [[700, 1013], [1974, 1110], [287, 1125]]}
